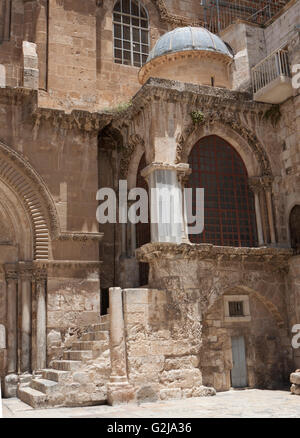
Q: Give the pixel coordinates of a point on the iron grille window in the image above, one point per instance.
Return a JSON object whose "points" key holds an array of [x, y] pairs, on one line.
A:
{"points": [[131, 33], [229, 215], [236, 308]]}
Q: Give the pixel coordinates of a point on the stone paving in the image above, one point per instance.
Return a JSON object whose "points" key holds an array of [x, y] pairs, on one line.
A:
{"points": [[232, 404]]}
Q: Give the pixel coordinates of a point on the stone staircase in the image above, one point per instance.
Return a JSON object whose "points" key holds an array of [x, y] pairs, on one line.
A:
{"points": [[79, 379]]}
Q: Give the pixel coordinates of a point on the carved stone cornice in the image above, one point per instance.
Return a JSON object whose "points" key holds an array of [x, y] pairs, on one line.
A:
{"points": [[81, 237], [151, 252], [174, 19]]}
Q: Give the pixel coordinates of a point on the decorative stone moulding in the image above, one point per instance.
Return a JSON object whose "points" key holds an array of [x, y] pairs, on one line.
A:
{"points": [[182, 168], [152, 251], [82, 237], [146, 71]]}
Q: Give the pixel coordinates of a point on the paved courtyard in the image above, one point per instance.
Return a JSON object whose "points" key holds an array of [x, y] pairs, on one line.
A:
{"points": [[246, 403]]}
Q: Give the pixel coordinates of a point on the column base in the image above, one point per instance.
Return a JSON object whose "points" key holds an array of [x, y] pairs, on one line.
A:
{"points": [[119, 393], [10, 385]]}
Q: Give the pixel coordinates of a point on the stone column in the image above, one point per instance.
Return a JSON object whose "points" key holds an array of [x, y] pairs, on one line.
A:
{"points": [[183, 178], [41, 319], [255, 186], [25, 296], [267, 183], [118, 390], [166, 203], [11, 380]]}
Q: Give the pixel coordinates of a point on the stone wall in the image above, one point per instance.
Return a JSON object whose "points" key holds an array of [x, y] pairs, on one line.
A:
{"points": [[163, 340], [73, 303], [267, 347], [195, 279]]}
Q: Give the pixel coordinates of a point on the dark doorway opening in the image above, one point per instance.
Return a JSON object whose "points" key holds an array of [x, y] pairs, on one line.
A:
{"points": [[104, 301]]}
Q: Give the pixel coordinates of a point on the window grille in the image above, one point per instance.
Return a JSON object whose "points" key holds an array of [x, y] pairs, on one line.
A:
{"points": [[236, 308], [131, 33], [229, 213]]}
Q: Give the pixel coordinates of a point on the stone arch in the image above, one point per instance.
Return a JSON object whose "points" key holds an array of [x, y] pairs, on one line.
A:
{"points": [[244, 142], [16, 228], [32, 192], [135, 158], [292, 200], [271, 308]]}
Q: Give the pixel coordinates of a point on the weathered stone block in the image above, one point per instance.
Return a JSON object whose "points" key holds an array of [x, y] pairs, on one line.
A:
{"points": [[295, 378]]}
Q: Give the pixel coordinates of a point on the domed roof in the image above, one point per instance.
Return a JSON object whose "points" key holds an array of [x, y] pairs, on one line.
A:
{"points": [[188, 38]]}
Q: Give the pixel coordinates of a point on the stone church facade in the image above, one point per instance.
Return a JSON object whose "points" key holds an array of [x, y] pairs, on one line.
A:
{"points": [[94, 92]]}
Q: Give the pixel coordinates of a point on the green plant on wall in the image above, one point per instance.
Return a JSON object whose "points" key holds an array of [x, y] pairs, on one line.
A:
{"points": [[273, 114], [118, 108], [197, 116]]}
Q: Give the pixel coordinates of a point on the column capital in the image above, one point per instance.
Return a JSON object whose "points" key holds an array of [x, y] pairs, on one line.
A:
{"points": [[266, 182], [255, 184], [180, 168], [11, 271], [25, 270], [40, 274]]}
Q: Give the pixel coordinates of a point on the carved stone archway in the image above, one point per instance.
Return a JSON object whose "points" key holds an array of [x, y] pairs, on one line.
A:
{"points": [[24, 181], [241, 138]]}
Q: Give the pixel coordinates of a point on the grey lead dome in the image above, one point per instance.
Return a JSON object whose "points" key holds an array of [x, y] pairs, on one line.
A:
{"points": [[188, 38]]}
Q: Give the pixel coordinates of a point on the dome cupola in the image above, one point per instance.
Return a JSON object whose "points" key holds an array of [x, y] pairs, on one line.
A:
{"points": [[189, 54]]}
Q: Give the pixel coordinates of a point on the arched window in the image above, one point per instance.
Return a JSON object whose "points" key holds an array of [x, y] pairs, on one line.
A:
{"points": [[229, 214], [295, 228], [131, 33]]}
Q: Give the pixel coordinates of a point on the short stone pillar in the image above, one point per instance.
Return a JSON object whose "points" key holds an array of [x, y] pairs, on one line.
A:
{"points": [[295, 381], [118, 389]]}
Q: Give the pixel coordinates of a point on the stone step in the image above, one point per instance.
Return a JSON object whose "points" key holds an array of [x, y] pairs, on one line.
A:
{"points": [[96, 336], [100, 327], [66, 365], [32, 397], [78, 354], [44, 385], [90, 345], [55, 375]]}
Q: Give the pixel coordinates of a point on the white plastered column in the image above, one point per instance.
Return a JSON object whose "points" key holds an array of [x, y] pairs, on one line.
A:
{"points": [[167, 210]]}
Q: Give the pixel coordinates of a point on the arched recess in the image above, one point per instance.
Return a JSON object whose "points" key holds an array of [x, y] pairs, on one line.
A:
{"points": [[264, 336], [229, 212], [33, 194], [240, 289], [294, 226], [245, 143], [143, 233]]}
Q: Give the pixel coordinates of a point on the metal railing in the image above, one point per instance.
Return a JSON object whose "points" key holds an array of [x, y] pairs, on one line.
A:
{"points": [[273, 66], [218, 14]]}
